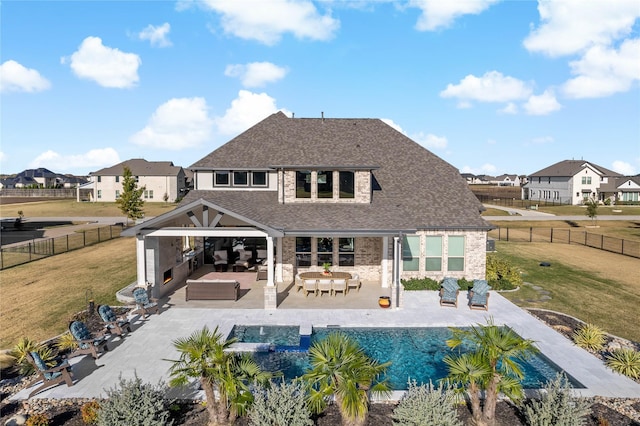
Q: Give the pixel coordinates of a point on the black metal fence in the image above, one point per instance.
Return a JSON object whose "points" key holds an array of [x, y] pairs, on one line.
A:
{"points": [[568, 236], [517, 202], [41, 248]]}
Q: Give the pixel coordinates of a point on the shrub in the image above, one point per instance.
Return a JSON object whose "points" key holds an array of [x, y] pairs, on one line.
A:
{"points": [[425, 405], [625, 361], [501, 275], [89, 412], [420, 284], [589, 337], [134, 403], [283, 404], [465, 284], [26, 345], [66, 342], [557, 406], [37, 420]]}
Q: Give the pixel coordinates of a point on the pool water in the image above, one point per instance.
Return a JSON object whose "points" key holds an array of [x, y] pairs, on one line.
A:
{"points": [[415, 353]]}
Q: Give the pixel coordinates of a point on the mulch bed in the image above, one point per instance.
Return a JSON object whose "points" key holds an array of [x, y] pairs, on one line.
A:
{"points": [[611, 412]]}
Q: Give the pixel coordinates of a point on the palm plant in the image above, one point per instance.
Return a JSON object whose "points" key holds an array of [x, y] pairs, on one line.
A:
{"points": [[340, 368], [491, 366], [26, 345], [204, 355]]}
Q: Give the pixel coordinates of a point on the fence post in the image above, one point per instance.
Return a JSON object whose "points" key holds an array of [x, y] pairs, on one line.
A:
{"points": [[601, 242], [531, 234], [569, 235], [98, 234], [84, 238], [67, 242], [507, 234], [30, 252], [111, 232], [551, 235], [53, 246], [1, 258]]}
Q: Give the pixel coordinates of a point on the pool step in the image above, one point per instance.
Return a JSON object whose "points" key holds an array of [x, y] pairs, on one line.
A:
{"points": [[305, 341]]}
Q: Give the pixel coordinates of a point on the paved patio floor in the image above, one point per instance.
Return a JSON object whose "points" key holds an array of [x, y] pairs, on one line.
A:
{"points": [[144, 352]]}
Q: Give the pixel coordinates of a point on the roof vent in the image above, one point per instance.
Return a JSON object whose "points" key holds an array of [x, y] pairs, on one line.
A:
{"points": [[322, 115]]}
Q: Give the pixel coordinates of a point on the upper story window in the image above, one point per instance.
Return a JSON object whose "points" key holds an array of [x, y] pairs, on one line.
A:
{"points": [[258, 178], [347, 184], [240, 178], [117, 179], [99, 178], [303, 184], [325, 184], [221, 179], [586, 180]]}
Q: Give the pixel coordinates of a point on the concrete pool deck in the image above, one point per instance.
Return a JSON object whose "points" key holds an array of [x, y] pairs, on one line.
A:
{"points": [[145, 350]]}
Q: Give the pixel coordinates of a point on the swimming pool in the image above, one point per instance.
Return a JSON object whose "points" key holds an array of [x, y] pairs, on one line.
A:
{"points": [[415, 353]]}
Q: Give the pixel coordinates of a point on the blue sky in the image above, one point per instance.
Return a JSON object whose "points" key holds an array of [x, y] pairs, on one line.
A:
{"points": [[490, 86]]}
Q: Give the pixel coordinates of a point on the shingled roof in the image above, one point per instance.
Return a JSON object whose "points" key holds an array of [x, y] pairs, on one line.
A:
{"points": [[141, 167], [568, 168], [417, 189]]}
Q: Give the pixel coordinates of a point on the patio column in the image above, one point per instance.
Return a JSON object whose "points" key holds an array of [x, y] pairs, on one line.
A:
{"points": [[270, 290], [140, 261], [396, 290]]}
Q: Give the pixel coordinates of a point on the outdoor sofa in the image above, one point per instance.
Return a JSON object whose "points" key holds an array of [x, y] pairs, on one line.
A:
{"points": [[212, 290]]}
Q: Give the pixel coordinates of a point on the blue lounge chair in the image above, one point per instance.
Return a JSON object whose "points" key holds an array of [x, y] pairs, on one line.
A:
{"points": [[113, 324], [449, 291], [49, 376], [144, 304], [479, 295], [88, 343]]}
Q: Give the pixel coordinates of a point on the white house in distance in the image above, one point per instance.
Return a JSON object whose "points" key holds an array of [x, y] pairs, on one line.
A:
{"points": [[354, 193], [569, 182], [159, 178]]}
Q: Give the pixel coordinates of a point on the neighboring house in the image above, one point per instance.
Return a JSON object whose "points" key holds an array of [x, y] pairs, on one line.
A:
{"points": [[625, 189], [569, 182], [507, 180], [471, 178], [161, 180], [352, 192]]}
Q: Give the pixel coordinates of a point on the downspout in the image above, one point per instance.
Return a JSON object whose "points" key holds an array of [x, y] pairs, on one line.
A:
{"points": [[396, 268]]}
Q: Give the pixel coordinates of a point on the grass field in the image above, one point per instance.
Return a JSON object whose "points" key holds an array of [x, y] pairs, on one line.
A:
{"points": [[71, 208]]}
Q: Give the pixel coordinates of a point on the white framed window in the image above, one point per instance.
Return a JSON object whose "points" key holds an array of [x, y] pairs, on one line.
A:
{"points": [[258, 178], [346, 252], [221, 178], [99, 193], [148, 194], [433, 254], [117, 194], [240, 178], [411, 253], [455, 254], [303, 251]]}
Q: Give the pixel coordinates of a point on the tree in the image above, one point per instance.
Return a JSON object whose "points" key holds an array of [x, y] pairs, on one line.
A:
{"points": [[205, 356], [592, 208], [490, 366], [130, 200], [340, 368]]}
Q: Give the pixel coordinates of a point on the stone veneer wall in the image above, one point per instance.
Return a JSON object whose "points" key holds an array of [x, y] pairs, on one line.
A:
{"points": [[368, 257], [475, 261], [362, 188]]}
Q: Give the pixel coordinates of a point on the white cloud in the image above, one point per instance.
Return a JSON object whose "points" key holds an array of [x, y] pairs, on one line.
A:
{"points": [[485, 169], [624, 168], [95, 158], [177, 124], [245, 111], [267, 21], [107, 66], [437, 14], [571, 26], [510, 108], [431, 141], [491, 87], [156, 35], [603, 71], [391, 123], [14, 77], [256, 74], [542, 104]]}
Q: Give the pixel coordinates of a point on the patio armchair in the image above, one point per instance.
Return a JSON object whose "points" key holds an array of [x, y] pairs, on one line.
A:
{"points": [[244, 258], [220, 260], [339, 285], [263, 271], [261, 255], [479, 295], [145, 305], [298, 283], [113, 323], [449, 291], [310, 286], [324, 285], [49, 376], [88, 343], [354, 282]]}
